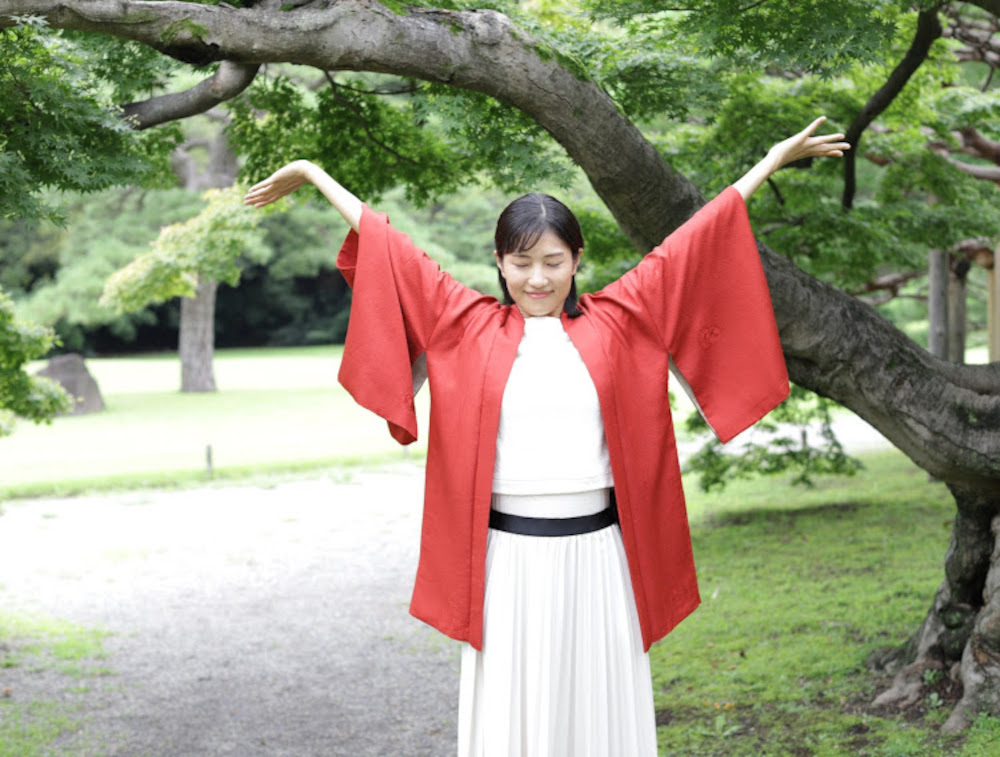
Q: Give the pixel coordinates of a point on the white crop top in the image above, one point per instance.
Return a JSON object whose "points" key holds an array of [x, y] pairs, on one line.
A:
{"points": [[551, 436]]}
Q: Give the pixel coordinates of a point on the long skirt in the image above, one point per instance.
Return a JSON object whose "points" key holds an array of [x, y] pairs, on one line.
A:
{"points": [[562, 672]]}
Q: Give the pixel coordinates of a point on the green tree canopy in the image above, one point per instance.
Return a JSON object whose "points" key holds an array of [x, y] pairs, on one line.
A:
{"points": [[208, 245]]}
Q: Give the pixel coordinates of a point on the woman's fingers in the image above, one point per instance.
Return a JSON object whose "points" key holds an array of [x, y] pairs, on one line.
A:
{"points": [[282, 182], [259, 196], [805, 145], [829, 144], [823, 143], [807, 132]]}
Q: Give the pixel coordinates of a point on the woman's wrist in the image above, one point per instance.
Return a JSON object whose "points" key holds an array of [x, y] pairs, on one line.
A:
{"points": [[308, 170]]}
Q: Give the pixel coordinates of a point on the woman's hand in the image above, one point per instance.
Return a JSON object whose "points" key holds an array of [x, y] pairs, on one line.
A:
{"points": [[282, 182], [287, 179], [796, 147], [805, 145]]}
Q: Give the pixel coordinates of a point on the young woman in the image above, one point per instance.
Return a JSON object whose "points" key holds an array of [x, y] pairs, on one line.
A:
{"points": [[554, 540]]}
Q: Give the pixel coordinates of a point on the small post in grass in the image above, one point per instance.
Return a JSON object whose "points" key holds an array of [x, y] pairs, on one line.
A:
{"points": [[208, 461]]}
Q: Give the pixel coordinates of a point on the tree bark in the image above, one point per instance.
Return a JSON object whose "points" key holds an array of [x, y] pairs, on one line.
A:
{"points": [[228, 81], [993, 306], [943, 416], [196, 342], [960, 635], [957, 326], [937, 303], [980, 667]]}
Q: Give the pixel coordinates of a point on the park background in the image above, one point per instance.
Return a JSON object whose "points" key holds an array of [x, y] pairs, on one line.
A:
{"points": [[778, 668]]}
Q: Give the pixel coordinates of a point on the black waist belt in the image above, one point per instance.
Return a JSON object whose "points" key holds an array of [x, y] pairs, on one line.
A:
{"points": [[584, 524]]}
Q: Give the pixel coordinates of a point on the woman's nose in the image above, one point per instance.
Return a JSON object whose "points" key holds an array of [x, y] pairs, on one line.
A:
{"points": [[537, 275]]}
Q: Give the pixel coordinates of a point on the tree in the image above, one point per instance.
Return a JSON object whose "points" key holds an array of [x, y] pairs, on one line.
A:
{"points": [[35, 398], [34, 87], [188, 260], [945, 417], [58, 272]]}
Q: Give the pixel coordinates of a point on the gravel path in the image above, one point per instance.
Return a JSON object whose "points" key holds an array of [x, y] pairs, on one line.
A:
{"points": [[245, 621]]}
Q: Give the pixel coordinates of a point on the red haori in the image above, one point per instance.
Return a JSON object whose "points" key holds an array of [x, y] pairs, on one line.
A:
{"points": [[699, 298]]}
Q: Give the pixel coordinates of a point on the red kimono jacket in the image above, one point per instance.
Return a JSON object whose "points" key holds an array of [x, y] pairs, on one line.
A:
{"points": [[700, 299]]}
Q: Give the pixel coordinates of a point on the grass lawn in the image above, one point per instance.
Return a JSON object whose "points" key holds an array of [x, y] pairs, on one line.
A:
{"points": [[275, 410], [798, 588]]}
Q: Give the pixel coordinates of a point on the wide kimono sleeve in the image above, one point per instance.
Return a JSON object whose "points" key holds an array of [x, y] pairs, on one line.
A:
{"points": [[704, 289], [399, 295]]}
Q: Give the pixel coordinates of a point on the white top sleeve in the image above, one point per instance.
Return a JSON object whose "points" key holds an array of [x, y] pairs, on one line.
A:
{"points": [[551, 436]]}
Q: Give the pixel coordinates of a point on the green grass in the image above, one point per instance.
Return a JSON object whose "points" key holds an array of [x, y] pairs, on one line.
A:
{"points": [[799, 587], [74, 654], [276, 411]]}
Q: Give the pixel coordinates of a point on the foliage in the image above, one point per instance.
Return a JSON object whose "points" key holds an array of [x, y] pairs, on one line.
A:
{"points": [[788, 446], [129, 71], [914, 202], [369, 144], [84, 146], [374, 133], [208, 246], [58, 274], [35, 398], [511, 150], [789, 36]]}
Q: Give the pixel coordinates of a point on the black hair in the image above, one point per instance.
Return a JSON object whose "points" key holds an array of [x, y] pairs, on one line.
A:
{"points": [[522, 224]]}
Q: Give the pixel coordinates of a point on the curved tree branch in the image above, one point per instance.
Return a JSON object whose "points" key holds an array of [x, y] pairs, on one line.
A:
{"points": [[228, 81], [928, 30], [990, 6], [977, 34], [363, 35], [979, 145], [987, 173]]}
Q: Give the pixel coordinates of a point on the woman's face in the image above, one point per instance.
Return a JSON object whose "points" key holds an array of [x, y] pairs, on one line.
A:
{"points": [[540, 277]]}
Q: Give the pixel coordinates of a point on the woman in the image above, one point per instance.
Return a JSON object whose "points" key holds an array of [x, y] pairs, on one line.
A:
{"points": [[555, 541]]}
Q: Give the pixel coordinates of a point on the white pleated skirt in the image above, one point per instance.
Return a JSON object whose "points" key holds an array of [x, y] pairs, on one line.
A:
{"points": [[562, 672]]}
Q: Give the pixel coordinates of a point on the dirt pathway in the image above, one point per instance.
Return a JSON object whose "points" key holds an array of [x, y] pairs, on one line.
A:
{"points": [[244, 621]]}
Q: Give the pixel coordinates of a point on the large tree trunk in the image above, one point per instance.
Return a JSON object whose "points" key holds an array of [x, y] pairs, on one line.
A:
{"points": [[993, 304], [957, 314], [196, 339], [937, 302], [980, 668], [196, 342], [960, 635], [945, 417]]}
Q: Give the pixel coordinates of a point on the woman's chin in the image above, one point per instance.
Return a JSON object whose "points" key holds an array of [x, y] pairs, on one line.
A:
{"points": [[538, 310]]}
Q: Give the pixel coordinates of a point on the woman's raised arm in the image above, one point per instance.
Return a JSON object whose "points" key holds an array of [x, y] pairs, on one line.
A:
{"points": [[288, 178], [797, 147]]}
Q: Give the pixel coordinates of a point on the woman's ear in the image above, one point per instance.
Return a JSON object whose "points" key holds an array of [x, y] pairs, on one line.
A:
{"points": [[498, 259]]}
